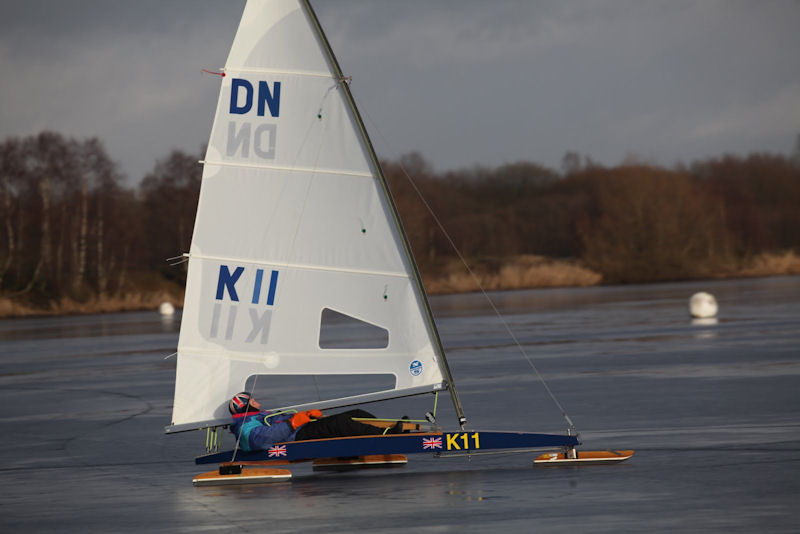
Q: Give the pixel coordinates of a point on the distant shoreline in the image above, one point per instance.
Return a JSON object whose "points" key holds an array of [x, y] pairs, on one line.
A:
{"points": [[522, 272], [539, 272]]}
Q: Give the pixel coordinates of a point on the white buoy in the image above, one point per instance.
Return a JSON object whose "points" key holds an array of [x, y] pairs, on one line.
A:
{"points": [[166, 309], [703, 305]]}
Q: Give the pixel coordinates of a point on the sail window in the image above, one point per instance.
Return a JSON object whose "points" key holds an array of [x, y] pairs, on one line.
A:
{"points": [[340, 331]]}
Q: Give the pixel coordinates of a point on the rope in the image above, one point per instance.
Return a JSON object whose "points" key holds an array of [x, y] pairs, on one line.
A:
{"points": [[212, 439], [310, 183], [389, 419], [177, 260], [478, 283], [276, 414]]}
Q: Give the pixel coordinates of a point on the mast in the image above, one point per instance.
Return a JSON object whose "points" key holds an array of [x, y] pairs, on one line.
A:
{"points": [[445, 368]]}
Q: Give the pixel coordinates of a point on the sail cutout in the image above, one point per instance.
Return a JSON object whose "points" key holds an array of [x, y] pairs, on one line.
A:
{"points": [[340, 331]]}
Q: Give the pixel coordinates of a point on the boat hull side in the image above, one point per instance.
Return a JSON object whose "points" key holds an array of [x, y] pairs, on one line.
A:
{"points": [[468, 442]]}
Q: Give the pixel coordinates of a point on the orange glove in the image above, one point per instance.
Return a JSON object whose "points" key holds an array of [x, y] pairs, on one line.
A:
{"points": [[314, 414], [299, 419]]}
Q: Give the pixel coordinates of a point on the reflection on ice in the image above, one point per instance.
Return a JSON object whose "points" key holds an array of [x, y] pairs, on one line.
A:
{"points": [[704, 321]]}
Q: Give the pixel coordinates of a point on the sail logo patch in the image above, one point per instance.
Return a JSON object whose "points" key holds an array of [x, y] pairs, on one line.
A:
{"points": [[235, 284], [415, 368]]}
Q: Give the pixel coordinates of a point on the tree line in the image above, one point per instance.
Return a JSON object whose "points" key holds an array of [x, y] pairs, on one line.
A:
{"points": [[72, 229], [634, 222]]}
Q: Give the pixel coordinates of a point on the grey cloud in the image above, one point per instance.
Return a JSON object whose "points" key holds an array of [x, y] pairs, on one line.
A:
{"points": [[461, 82]]}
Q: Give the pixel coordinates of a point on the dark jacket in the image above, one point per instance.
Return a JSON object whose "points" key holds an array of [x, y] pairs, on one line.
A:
{"points": [[258, 430]]}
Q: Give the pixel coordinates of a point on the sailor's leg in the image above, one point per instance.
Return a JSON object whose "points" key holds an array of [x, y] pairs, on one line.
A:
{"points": [[337, 426], [358, 414]]}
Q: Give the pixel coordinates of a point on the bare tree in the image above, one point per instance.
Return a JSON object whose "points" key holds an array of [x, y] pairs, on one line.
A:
{"points": [[170, 193], [10, 163], [651, 224]]}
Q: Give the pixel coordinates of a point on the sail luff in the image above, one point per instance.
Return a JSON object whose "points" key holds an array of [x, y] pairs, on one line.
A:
{"points": [[422, 295]]}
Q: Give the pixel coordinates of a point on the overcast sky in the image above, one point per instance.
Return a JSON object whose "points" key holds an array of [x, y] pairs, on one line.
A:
{"points": [[461, 82]]}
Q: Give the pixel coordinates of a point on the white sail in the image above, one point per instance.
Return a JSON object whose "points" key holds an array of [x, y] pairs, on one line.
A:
{"points": [[292, 220]]}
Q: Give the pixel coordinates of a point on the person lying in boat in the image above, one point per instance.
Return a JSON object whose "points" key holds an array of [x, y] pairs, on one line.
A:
{"points": [[257, 430]]}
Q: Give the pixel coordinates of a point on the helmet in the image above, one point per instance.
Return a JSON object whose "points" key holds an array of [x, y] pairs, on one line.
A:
{"points": [[240, 402]]}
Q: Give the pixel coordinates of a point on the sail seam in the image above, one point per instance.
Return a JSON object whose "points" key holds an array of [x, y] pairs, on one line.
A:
{"points": [[376, 354], [299, 266], [279, 71], [289, 169]]}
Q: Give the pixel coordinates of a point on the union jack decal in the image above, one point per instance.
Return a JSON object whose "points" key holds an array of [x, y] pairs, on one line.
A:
{"points": [[280, 450], [431, 443]]}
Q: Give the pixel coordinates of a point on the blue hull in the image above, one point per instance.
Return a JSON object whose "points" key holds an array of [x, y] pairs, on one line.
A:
{"points": [[428, 442]]}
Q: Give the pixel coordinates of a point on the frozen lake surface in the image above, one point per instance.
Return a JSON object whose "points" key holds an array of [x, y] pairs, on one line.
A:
{"points": [[713, 411]]}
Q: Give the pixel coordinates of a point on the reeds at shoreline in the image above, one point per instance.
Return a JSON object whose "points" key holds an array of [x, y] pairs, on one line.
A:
{"points": [[521, 272], [147, 300]]}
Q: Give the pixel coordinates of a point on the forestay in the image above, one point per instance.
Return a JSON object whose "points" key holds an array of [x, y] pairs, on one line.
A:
{"points": [[293, 220]]}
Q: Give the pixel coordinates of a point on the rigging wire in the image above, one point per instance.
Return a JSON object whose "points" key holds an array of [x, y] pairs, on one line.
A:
{"points": [[477, 281], [319, 119]]}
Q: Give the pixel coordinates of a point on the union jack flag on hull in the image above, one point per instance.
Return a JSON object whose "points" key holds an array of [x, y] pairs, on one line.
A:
{"points": [[431, 443], [279, 450]]}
